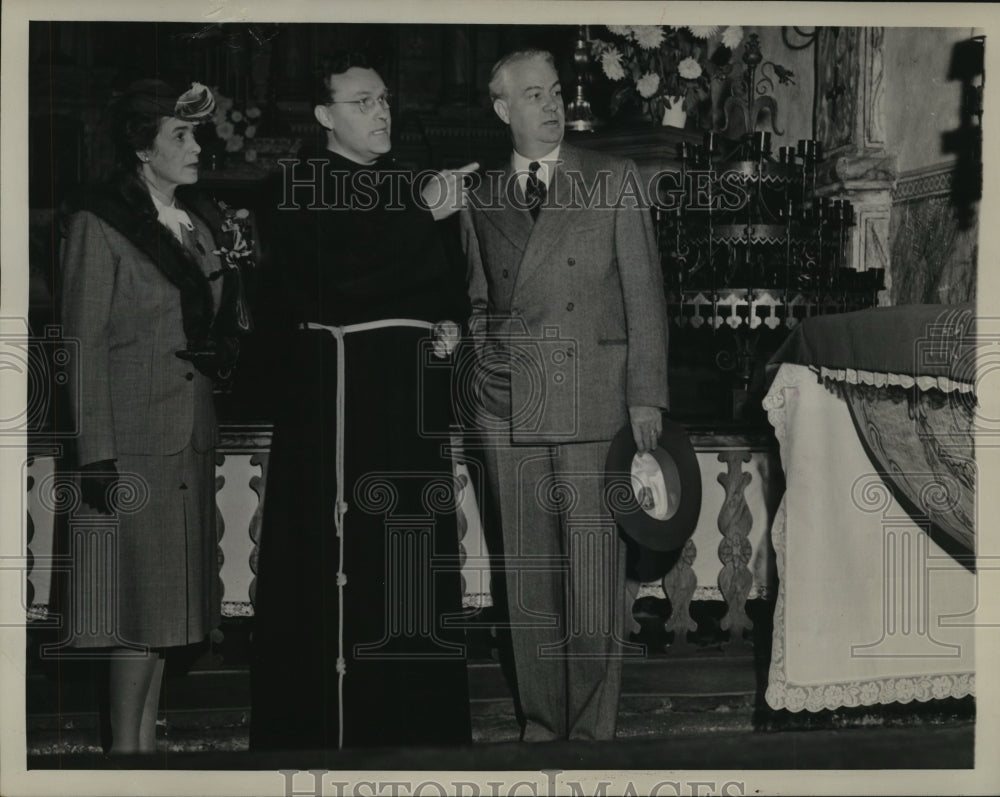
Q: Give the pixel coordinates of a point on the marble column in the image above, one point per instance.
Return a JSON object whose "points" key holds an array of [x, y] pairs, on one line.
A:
{"points": [[849, 119]]}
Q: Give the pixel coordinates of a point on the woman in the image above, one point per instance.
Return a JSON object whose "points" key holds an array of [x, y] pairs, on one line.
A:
{"points": [[358, 567], [141, 294]]}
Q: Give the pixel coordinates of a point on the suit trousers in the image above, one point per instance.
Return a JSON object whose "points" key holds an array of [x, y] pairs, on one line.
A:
{"points": [[564, 569]]}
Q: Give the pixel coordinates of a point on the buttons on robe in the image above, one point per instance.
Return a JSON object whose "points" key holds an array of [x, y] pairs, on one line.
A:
{"points": [[569, 307], [571, 261], [189, 376]]}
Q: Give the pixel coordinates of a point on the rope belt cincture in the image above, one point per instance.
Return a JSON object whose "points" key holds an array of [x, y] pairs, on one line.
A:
{"points": [[342, 506]]}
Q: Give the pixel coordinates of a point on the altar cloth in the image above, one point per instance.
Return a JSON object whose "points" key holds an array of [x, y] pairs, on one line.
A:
{"points": [[869, 608]]}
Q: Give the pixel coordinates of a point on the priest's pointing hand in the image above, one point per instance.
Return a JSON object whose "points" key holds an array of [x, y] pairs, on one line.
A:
{"points": [[444, 192]]}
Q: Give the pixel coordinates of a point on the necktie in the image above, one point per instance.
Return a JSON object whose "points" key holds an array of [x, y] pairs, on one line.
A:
{"points": [[534, 190]]}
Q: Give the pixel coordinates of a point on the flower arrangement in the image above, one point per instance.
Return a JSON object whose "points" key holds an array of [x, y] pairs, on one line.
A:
{"points": [[663, 65], [238, 249], [234, 126], [236, 254]]}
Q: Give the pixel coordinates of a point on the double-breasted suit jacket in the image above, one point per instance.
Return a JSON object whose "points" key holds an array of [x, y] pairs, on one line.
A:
{"points": [[569, 331], [573, 301]]}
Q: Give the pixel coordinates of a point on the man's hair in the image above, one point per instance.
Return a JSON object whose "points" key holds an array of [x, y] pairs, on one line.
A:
{"points": [[336, 63], [498, 75]]}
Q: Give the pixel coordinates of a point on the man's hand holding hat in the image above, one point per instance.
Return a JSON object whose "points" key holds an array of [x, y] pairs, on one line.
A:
{"points": [[647, 423]]}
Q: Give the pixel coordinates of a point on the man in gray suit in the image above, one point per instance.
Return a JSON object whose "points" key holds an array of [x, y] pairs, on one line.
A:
{"points": [[570, 336]]}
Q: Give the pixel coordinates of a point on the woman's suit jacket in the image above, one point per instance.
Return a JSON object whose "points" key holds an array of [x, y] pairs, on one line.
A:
{"points": [[132, 394], [572, 305]]}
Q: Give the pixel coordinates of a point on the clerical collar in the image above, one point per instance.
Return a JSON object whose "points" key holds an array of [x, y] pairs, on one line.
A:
{"points": [[382, 162], [546, 164]]}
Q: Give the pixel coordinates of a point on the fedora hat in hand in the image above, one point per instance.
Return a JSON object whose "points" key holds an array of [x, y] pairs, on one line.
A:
{"points": [[655, 497]]}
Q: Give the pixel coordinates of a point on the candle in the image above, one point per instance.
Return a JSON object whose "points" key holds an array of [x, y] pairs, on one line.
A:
{"points": [[762, 143]]}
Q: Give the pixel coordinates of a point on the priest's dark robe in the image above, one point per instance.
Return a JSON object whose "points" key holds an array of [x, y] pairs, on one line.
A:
{"points": [[358, 629]]}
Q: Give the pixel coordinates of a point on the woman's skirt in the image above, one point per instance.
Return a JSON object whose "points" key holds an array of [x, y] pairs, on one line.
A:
{"points": [[147, 575]]}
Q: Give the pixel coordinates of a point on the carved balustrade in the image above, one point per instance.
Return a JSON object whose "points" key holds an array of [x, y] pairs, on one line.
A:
{"points": [[728, 559]]}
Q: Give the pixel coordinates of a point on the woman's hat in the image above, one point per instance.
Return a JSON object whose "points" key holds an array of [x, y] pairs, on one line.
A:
{"points": [[655, 497], [158, 98]]}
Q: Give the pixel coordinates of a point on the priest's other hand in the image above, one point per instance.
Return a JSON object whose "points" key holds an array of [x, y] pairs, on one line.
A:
{"points": [[446, 335]]}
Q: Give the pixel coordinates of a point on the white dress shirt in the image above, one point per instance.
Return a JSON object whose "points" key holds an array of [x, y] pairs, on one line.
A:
{"points": [[546, 164], [172, 217]]}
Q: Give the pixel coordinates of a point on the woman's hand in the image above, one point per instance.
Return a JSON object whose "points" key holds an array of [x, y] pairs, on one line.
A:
{"points": [[98, 481], [446, 335], [215, 358]]}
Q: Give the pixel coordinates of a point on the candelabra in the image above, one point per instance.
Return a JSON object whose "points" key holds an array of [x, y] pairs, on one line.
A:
{"points": [[748, 249], [579, 115], [745, 221]]}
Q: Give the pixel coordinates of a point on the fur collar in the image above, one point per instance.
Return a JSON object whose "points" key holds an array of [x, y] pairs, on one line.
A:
{"points": [[126, 205]]}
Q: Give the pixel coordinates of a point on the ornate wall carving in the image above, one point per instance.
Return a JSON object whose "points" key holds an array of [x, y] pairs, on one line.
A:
{"points": [[940, 256], [874, 111], [838, 66]]}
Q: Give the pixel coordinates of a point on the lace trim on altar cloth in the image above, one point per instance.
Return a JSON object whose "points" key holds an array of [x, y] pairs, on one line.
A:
{"points": [[878, 379], [774, 404], [869, 693], [900, 689]]}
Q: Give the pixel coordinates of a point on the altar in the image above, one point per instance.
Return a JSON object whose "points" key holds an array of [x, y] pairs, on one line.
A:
{"points": [[875, 536]]}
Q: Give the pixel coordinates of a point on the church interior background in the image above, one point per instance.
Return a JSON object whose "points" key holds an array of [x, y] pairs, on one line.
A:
{"points": [[893, 114]]}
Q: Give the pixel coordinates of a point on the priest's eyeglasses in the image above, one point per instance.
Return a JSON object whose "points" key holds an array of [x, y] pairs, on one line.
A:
{"points": [[367, 104]]}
